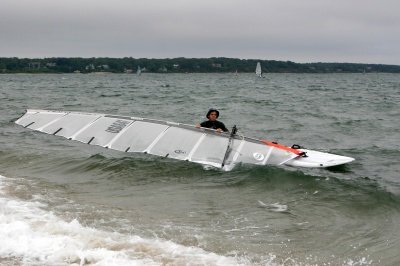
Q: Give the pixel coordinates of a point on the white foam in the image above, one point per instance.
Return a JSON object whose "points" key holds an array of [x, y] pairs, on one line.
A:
{"points": [[274, 207], [35, 236]]}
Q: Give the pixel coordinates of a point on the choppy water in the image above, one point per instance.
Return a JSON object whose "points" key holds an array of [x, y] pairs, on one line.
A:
{"points": [[62, 202]]}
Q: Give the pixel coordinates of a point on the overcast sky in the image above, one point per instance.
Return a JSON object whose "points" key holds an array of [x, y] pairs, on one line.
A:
{"points": [[359, 31]]}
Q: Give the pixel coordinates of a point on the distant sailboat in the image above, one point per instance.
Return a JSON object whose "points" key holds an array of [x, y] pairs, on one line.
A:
{"points": [[139, 71], [258, 70]]}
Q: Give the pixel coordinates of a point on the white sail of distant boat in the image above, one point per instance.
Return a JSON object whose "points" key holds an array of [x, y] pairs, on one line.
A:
{"points": [[139, 71], [258, 70]]}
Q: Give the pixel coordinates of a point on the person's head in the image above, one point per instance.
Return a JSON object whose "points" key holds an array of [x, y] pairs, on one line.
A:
{"points": [[212, 114]]}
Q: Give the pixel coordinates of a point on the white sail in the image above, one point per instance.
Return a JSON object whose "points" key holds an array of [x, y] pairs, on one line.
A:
{"points": [[258, 70], [139, 70], [162, 138]]}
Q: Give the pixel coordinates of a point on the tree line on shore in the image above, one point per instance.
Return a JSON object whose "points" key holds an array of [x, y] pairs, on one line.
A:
{"points": [[179, 65]]}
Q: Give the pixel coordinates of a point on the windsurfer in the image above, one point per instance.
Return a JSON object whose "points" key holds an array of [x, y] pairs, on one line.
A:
{"points": [[212, 121]]}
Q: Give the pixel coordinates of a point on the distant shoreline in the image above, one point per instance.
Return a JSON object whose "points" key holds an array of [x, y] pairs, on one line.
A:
{"points": [[11, 65]]}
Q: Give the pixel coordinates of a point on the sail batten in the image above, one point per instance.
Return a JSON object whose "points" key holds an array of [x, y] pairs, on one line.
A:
{"points": [[73, 137], [51, 122], [189, 157], [238, 151], [157, 139], [118, 135], [268, 155]]}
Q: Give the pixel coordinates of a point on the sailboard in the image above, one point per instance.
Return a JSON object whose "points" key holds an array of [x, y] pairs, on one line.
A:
{"points": [[172, 140], [258, 70]]}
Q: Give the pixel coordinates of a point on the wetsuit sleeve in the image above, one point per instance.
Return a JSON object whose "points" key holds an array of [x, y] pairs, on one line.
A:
{"points": [[223, 127]]}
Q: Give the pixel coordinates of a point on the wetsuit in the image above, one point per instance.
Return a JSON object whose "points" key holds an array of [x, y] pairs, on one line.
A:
{"points": [[214, 125]]}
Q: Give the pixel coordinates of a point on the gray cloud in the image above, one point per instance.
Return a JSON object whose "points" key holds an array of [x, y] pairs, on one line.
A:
{"points": [[303, 31]]}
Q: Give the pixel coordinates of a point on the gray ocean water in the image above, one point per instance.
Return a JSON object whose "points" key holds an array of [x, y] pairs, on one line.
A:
{"points": [[67, 203]]}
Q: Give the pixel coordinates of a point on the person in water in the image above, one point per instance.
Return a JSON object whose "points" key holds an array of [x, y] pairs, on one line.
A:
{"points": [[212, 121]]}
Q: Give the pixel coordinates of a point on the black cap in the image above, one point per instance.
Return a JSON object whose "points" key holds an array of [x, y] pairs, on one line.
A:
{"points": [[212, 110]]}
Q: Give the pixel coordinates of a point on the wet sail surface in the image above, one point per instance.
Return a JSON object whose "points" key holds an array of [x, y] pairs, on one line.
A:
{"points": [[161, 138]]}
